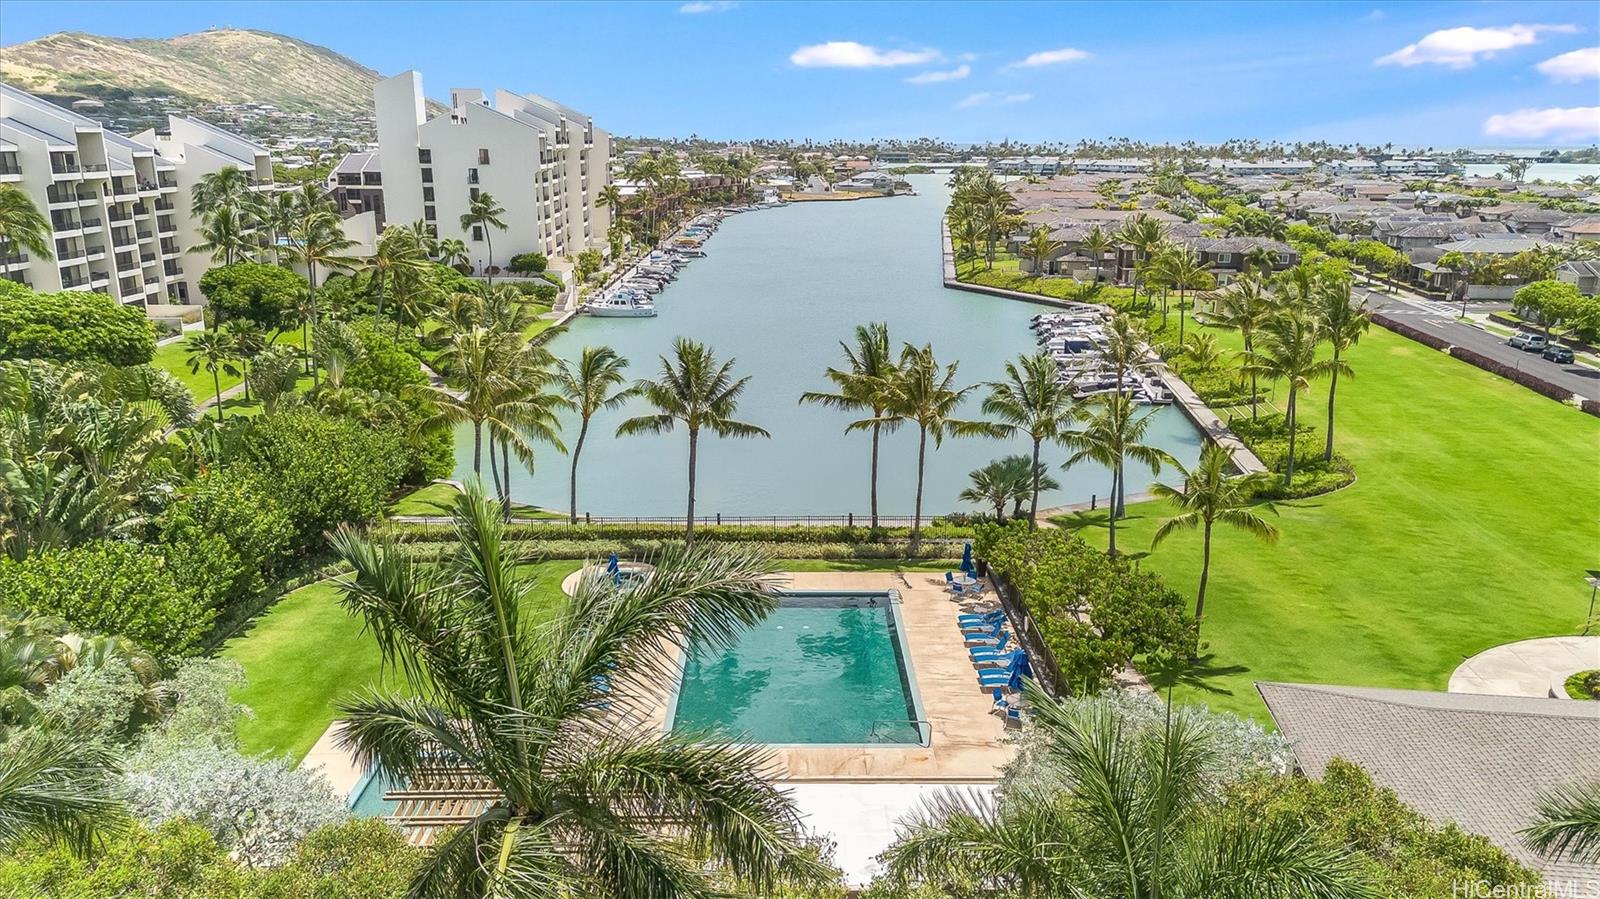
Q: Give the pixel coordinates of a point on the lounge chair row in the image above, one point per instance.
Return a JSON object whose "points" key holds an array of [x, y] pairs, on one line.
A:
{"points": [[998, 663]]}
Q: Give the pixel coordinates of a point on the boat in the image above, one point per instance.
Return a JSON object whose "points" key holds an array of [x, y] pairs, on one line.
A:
{"points": [[620, 305]]}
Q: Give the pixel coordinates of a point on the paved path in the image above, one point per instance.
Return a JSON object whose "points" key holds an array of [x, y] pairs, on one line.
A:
{"points": [[1209, 424], [1440, 318], [1526, 668]]}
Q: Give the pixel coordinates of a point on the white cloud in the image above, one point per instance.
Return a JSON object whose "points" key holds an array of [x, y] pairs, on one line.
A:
{"points": [[851, 55], [1461, 48], [705, 6], [1555, 123], [1575, 66], [1049, 58], [988, 98], [1376, 15], [937, 77]]}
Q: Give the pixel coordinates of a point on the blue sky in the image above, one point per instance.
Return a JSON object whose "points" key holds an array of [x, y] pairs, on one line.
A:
{"points": [[1412, 73]]}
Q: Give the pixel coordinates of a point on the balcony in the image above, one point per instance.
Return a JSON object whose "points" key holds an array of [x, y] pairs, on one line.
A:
{"points": [[164, 205], [91, 224], [10, 170], [71, 281], [123, 239], [64, 170], [92, 167], [17, 277], [15, 259], [147, 258], [172, 270], [145, 235], [124, 190], [127, 262], [66, 226], [95, 253], [99, 278], [128, 287], [170, 249], [119, 215], [60, 196], [166, 227]]}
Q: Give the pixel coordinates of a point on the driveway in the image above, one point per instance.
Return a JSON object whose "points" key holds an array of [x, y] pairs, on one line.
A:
{"points": [[1440, 318], [1526, 668]]}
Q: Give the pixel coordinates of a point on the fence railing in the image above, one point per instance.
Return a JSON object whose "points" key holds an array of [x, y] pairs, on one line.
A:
{"points": [[1045, 669], [849, 519]]}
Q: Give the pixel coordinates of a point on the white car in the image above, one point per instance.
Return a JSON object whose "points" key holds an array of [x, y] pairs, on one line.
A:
{"points": [[1528, 343]]}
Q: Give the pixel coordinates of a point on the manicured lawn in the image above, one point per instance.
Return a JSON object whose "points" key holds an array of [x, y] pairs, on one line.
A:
{"points": [[862, 565], [173, 357], [438, 499], [306, 652], [1006, 274], [1469, 525]]}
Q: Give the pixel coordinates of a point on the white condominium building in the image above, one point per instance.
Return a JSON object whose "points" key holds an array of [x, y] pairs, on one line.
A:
{"points": [[544, 163], [118, 206]]}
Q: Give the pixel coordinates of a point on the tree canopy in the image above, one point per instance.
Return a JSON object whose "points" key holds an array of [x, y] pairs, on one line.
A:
{"points": [[72, 327]]}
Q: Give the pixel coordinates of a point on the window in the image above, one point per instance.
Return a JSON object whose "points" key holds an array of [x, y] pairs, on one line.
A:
{"points": [[477, 232], [427, 176], [427, 194], [427, 213], [483, 157], [474, 193], [1283, 258], [472, 176], [1224, 258], [425, 156]]}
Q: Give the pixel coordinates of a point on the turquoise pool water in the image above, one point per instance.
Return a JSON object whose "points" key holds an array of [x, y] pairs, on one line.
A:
{"points": [[823, 668], [367, 801]]}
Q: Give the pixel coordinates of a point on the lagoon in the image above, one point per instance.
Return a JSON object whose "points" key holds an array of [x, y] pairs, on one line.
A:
{"points": [[777, 291]]}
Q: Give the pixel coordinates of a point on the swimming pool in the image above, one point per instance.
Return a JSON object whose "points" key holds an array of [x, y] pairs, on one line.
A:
{"points": [[823, 668]]}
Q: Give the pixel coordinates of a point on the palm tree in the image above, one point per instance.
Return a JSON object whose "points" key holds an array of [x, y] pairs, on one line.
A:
{"points": [[694, 389], [21, 225], [1007, 481], [1244, 308], [1289, 353], [1125, 348], [453, 252], [56, 787], [484, 213], [1184, 271], [1131, 817], [1112, 435], [863, 386], [397, 256], [317, 239], [225, 188], [610, 197], [214, 352], [1207, 498], [223, 234], [1567, 823], [1343, 323], [924, 392], [591, 385], [249, 340], [1096, 244], [1033, 401], [1144, 234], [582, 802], [1040, 247]]}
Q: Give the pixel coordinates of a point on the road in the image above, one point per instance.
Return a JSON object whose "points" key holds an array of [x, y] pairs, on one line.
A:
{"points": [[1440, 318]]}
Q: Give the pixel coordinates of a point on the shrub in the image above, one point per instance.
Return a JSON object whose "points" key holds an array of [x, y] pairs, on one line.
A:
{"points": [[323, 470], [1407, 856], [634, 547], [782, 534], [239, 508], [541, 291], [1095, 613], [266, 294], [110, 587], [179, 860], [72, 327], [356, 859], [528, 263]]}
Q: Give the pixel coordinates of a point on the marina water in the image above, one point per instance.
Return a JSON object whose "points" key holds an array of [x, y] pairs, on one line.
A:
{"points": [[777, 291]]}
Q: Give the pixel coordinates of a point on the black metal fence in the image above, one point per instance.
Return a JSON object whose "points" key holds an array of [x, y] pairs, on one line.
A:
{"points": [[1045, 669]]}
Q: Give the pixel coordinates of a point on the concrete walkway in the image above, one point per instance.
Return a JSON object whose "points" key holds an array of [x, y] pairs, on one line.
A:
{"points": [[1526, 668], [1195, 409]]}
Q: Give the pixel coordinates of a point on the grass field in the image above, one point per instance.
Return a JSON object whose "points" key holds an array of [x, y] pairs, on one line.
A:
{"points": [[306, 652], [1470, 525], [173, 357]]}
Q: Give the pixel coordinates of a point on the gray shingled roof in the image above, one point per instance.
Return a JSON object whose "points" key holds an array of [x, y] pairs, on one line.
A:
{"points": [[1477, 761]]}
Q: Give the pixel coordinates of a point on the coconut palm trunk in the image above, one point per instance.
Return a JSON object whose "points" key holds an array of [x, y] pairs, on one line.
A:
{"points": [[1288, 477], [916, 518], [1116, 487], [572, 486], [505, 470], [1205, 574], [477, 448], [694, 453], [1333, 386], [1033, 503], [877, 430], [311, 341]]}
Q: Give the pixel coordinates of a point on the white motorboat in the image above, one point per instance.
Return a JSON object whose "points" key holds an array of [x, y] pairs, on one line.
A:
{"points": [[620, 305]]}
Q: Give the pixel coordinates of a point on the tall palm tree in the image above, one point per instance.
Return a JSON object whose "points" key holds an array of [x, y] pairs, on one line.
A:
{"points": [[1343, 323], [1144, 234], [695, 389], [1184, 271], [924, 392], [1208, 497], [582, 802], [213, 351], [57, 787], [224, 235], [1125, 349], [1095, 245], [484, 213], [594, 383], [317, 239], [1113, 434], [1032, 401], [1039, 247], [225, 188], [1289, 354], [1133, 818], [397, 256], [249, 340], [1244, 307], [610, 197], [1567, 823], [863, 387], [21, 225]]}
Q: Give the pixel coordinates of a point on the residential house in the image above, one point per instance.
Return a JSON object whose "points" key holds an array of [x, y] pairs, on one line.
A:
{"points": [[1581, 272]]}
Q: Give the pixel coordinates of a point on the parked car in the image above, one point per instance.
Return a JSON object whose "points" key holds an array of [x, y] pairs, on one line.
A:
{"points": [[1557, 353], [1528, 343]]}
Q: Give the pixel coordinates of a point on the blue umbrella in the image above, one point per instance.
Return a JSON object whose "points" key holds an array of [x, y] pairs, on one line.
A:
{"points": [[966, 559], [1019, 670]]}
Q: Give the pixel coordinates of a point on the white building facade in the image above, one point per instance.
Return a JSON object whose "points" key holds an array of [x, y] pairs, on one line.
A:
{"points": [[543, 162], [118, 206]]}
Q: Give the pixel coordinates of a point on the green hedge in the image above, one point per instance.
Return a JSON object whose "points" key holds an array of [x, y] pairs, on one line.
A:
{"points": [[1060, 579], [1268, 438], [71, 326], [635, 547], [407, 532]]}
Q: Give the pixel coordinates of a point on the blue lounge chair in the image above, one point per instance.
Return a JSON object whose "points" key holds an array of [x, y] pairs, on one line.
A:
{"points": [[989, 618], [987, 638], [981, 626], [997, 654]]}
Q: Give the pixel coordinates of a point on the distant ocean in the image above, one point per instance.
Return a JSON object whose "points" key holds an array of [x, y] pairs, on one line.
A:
{"points": [[1568, 172]]}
